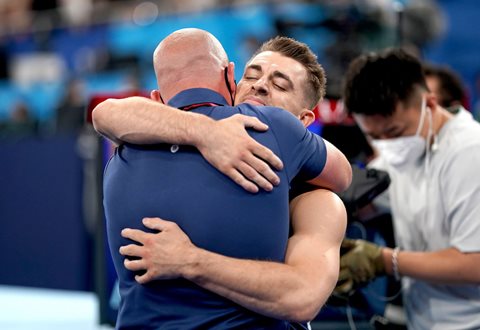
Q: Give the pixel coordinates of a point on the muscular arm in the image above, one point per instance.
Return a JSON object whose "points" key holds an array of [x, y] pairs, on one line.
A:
{"points": [[448, 266], [225, 144], [295, 290], [138, 120]]}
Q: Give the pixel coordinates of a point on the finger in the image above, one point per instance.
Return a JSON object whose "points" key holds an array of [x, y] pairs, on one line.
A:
{"points": [[144, 278], [263, 169], [132, 250], [239, 179], [343, 275], [155, 223], [348, 243], [345, 261], [251, 174], [134, 234], [268, 156], [254, 123], [134, 265], [344, 288]]}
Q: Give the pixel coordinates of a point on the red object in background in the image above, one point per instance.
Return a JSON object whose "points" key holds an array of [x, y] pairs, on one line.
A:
{"points": [[99, 98], [332, 112]]}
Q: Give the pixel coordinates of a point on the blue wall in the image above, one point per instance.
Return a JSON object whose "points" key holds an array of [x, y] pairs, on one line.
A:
{"points": [[43, 236]]}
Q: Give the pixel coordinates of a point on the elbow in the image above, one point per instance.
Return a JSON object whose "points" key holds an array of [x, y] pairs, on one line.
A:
{"points": [[98, 116], [304, 311], [343, 180], [313, 298], [303, 307], [305, 315], [101, 114], [347, 179]]}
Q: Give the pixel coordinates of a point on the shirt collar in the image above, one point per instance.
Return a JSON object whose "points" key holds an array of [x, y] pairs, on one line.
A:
{"points": [[192, 96]]}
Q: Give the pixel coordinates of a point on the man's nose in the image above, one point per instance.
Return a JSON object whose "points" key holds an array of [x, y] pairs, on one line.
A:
{"points": [[260, 87]]}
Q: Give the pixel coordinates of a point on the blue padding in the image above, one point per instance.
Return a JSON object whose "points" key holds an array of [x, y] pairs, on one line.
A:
{"points": [[43, 98], [300, 12], [76, 46], [107, 82], [9, 96], [128, 39]]}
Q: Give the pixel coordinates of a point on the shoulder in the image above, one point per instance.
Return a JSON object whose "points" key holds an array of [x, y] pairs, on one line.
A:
{"points": [[276, 118], [461, 133], [461, 139]]}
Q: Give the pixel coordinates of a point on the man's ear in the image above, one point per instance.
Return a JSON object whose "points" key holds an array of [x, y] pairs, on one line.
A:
{"points": [[155, 96], [231, 78], [431, 101], [307, 117]]}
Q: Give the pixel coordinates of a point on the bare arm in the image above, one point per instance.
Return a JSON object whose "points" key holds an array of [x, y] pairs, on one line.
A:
{"points": [[225, 143], [337, 173], [294, 291], [448, 266], [138, 120]]}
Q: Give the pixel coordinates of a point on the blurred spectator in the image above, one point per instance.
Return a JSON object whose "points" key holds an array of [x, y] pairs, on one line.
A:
{"points": [[76, 12], [37, 67], [71, 111], [422, 21], [45, 18], [16, 16], [447, 85], [21, 122]]}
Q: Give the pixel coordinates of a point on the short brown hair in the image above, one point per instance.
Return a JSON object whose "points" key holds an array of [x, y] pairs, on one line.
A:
{"points": [[301, 53]]}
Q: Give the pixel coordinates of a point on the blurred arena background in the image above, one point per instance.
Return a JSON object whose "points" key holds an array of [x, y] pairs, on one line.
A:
{"points": [[59, 56]]}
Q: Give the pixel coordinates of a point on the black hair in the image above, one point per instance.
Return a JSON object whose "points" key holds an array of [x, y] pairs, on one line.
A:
{"points": [[450, 85], [375, 83]]}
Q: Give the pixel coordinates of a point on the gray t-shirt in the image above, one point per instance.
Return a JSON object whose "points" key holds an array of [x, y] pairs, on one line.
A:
{"points": [[438, 207]]}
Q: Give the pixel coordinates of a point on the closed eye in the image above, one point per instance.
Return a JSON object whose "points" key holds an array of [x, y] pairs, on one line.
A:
{"points": [[280, 87]]}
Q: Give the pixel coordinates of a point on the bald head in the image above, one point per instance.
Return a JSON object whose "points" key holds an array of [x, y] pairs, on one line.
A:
{"points": [[189, 58]]}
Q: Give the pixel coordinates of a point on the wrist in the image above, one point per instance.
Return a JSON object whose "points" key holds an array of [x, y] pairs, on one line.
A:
{"points": [[191, 267], [395, 270], [196, 128], [387, 260]]}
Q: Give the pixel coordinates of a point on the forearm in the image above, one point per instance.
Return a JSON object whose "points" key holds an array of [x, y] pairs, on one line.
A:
{"points": [[139, 120], [272, 289], [448, 266]]}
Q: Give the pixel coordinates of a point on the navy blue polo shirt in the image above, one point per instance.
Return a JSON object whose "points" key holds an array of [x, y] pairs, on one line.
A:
{"points": [[177, 184]]}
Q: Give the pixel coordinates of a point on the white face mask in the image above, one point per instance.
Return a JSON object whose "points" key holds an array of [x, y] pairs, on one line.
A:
{"points": [[404, 150]]}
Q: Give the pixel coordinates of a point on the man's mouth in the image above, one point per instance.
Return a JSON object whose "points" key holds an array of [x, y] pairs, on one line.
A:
{"points": [[254, 100]]}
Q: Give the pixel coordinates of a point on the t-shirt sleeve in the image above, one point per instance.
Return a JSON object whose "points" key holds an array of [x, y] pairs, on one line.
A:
{"points": [[303, 153], [461, 198]]}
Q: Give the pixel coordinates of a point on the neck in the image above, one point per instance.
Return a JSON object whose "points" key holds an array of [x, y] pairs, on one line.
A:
{"points": [[168, 93], [440, 118]]}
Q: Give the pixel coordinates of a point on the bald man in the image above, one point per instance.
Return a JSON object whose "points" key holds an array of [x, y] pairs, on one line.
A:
{"points": [[176, 183]]}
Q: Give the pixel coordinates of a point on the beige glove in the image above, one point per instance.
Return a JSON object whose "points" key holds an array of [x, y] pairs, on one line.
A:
{"points": [[361, 263]]}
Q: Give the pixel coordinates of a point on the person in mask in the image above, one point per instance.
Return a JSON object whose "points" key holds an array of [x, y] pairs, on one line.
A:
{"points": [[433, 158]]}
